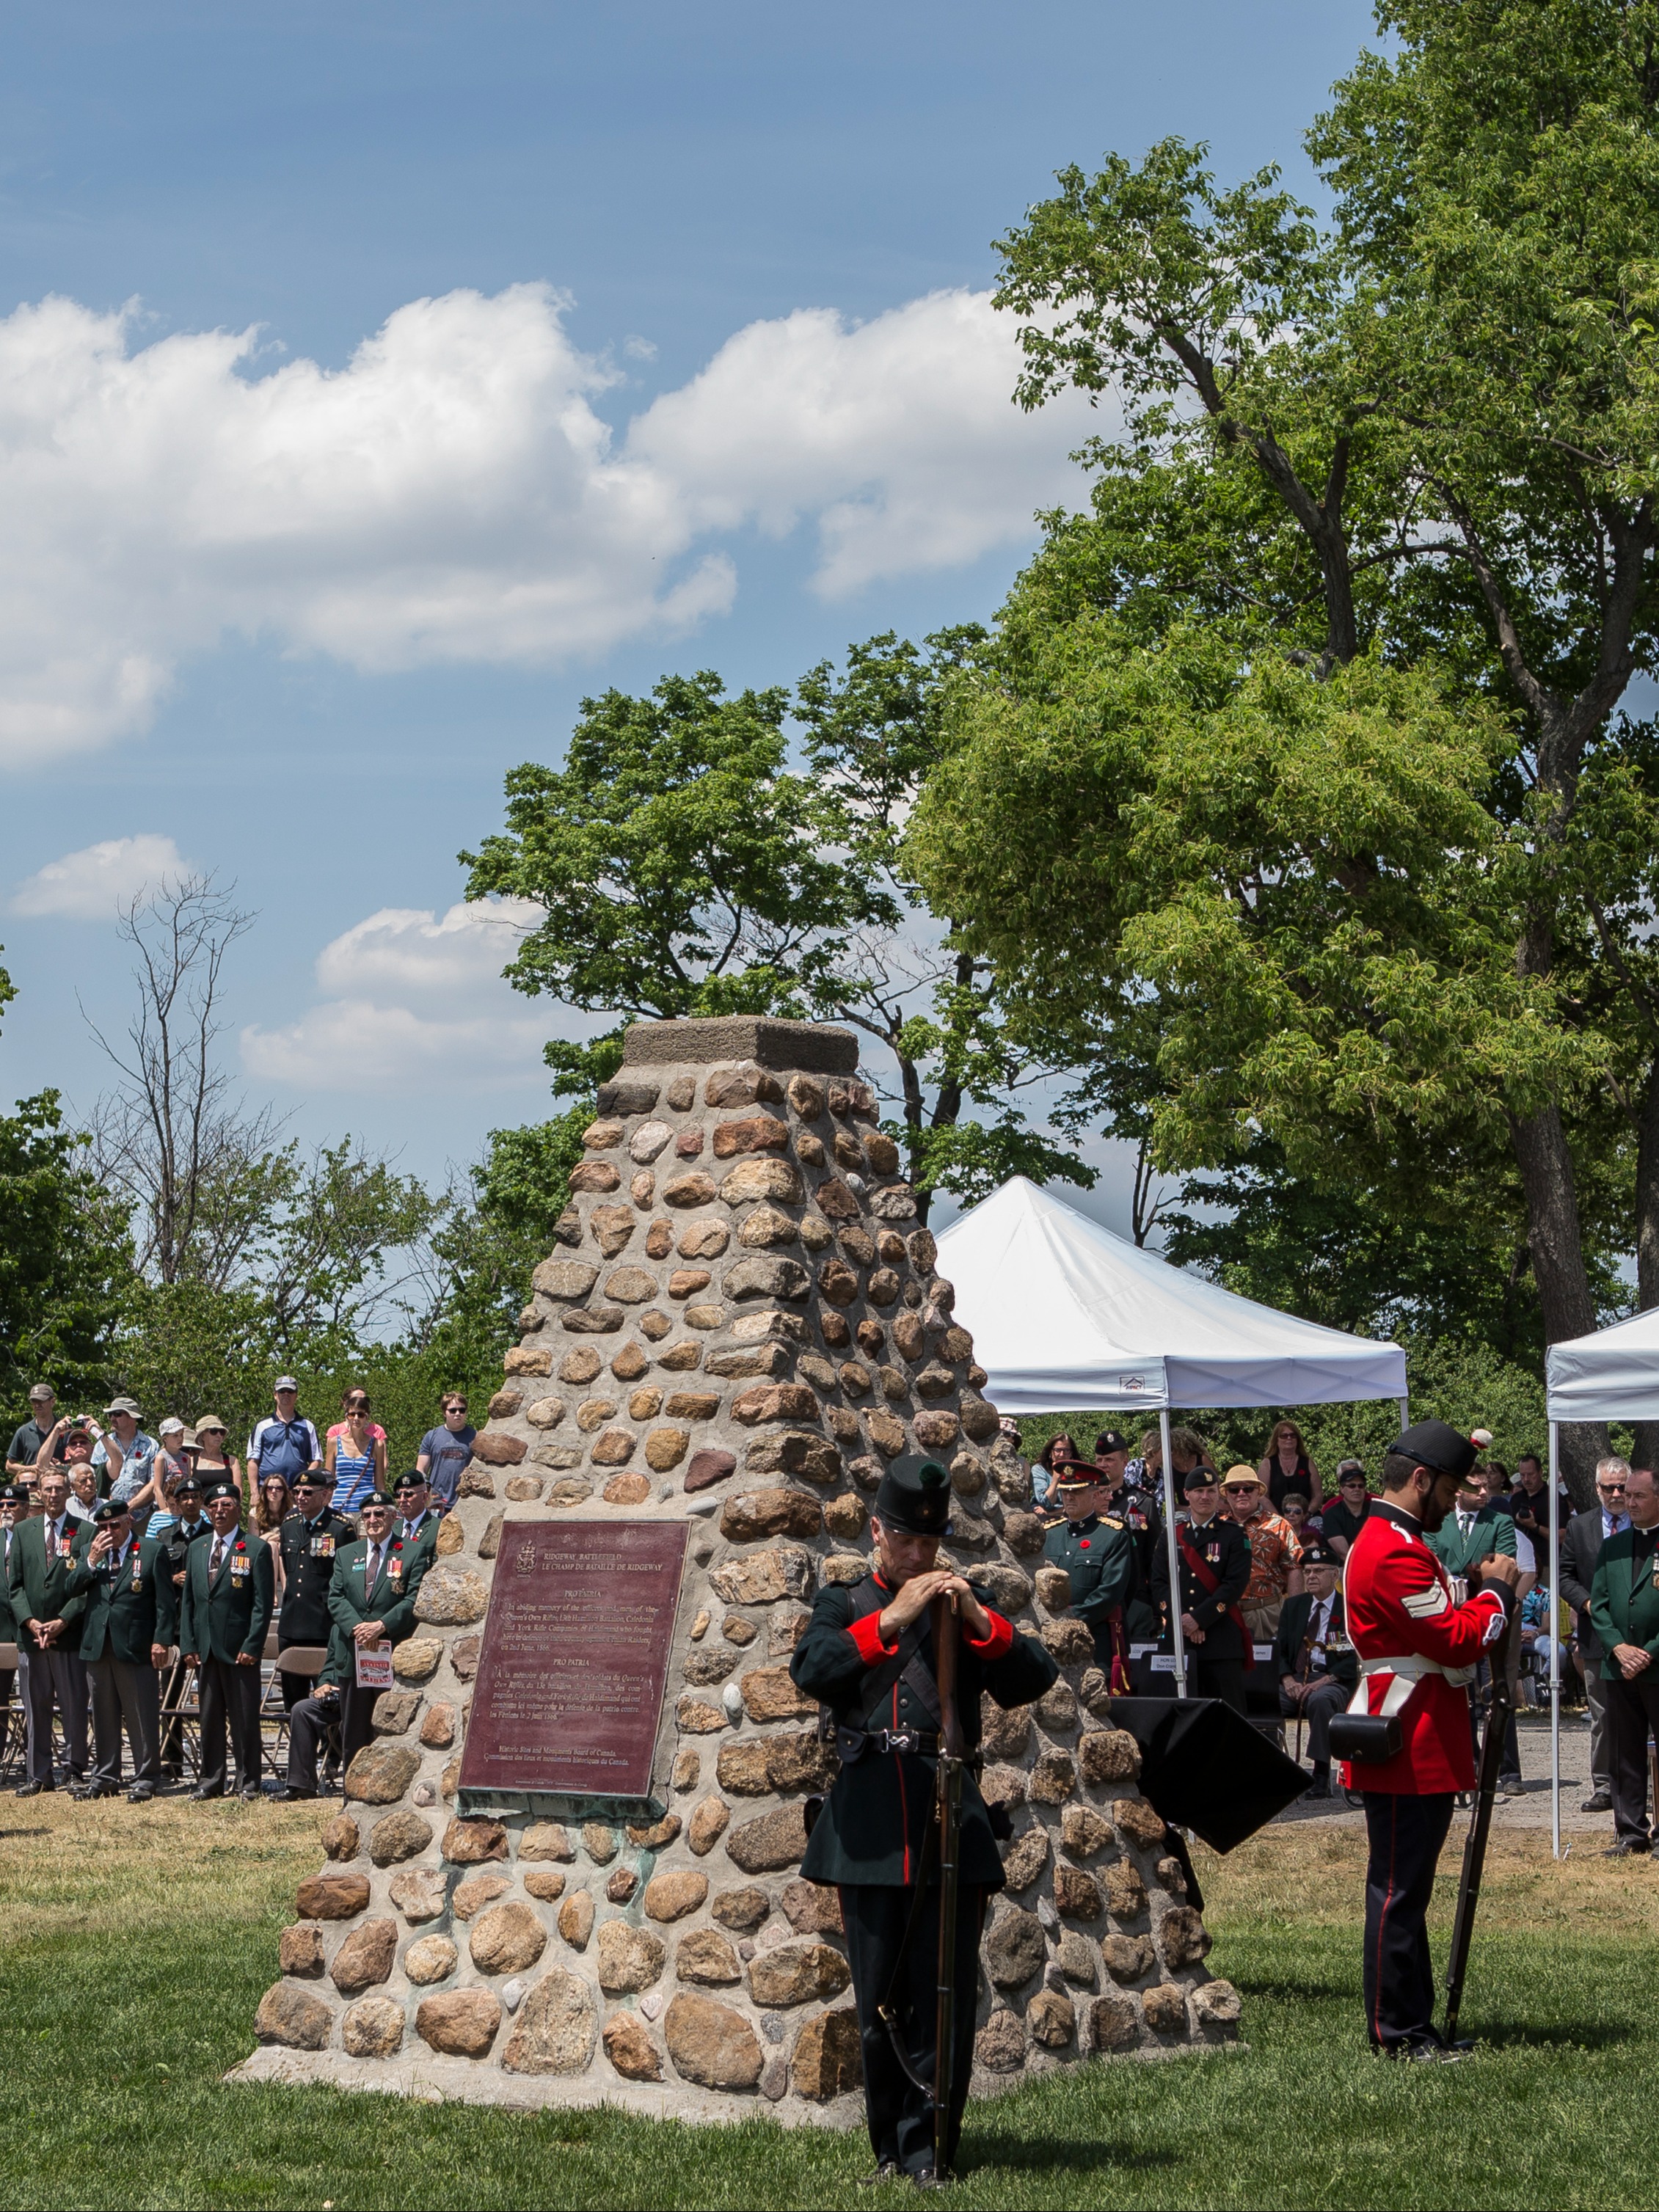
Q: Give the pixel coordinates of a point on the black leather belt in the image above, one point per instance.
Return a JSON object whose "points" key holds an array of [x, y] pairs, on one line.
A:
{"points": [[852, 1743]]}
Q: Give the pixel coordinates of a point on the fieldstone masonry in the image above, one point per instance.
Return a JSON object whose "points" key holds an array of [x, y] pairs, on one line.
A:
{"points": [[740, 1325]]}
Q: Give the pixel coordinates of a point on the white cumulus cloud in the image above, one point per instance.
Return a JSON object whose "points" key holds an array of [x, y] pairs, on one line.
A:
{"points": [[453, 492], [90, 884], [414, 999]]}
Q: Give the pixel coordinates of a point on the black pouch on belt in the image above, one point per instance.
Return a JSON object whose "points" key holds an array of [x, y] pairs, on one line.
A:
{"points": [[1367, 1738]]}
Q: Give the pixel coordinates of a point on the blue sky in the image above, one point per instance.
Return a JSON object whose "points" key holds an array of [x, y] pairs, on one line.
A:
{"points": [[704, 379]]}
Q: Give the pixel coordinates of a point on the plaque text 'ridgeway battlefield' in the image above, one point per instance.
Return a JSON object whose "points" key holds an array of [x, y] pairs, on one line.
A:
{"points": [[575, 1659]]}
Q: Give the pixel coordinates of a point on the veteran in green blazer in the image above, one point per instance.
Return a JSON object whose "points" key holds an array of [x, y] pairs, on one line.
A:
{"points": [[371, 1602], [129, 1622], [229, 1593], [1474, 1531], [48, 1616], [1623, 1610]]}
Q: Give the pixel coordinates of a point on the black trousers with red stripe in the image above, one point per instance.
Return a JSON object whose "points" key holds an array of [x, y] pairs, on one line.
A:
{"points": [[1407, 1835]]}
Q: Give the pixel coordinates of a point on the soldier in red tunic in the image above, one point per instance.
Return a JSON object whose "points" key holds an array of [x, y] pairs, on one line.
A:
{"points": [[1417, 1651]]}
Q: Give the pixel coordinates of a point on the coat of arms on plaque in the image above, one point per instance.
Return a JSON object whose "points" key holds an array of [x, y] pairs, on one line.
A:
{"points": [[524, 1559]]}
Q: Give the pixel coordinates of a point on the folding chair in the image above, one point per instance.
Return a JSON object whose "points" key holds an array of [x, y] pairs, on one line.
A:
{"points": [[181, 1714]]}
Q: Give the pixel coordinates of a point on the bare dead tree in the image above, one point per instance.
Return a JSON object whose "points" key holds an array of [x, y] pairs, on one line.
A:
{"points": [[198, 1172]]}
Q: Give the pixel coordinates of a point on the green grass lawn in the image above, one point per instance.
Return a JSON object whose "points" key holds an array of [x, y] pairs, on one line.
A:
{"points": [[134, 1948]]}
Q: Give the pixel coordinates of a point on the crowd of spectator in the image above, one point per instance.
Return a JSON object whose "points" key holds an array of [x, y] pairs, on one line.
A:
{"points": [[141, 1576], [1289, 1604]]}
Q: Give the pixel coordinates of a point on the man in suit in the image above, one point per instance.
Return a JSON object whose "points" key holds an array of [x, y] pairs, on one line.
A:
{"points": [[1624, 1608], [419, 1522], [866, 1654], [310, 1539], [1477, 1531], [1315, 1661], [1581, 1548], [230, 1588], [125, 1631], [1215, 1570], [48, 1616], [371, 1601]]}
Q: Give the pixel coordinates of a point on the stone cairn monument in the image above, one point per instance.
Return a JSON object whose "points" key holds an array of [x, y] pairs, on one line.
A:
{"points": [[741, 1325]]}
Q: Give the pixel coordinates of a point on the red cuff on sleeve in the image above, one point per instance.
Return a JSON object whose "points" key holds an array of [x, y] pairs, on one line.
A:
{"points": [[1000, 1640], [866, 1632]]}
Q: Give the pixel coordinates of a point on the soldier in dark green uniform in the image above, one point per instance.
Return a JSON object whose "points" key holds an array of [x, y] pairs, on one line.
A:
{"points": [[371, 1601], [13, 1503], [1314, 1659], [309, 1539], [417, 1521], [125, 1633], [1215, 1569], [42, 1558], [1625, 1609], [867, 1655], [230, 1588], [1098, 1553]]}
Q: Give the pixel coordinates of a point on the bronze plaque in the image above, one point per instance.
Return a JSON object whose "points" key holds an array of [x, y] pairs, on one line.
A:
{"points": [[575, 1659]]}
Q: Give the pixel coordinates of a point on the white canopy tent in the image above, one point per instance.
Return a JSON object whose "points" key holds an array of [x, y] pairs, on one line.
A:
{"points": [[1066, 1316], [1612, 1376]]}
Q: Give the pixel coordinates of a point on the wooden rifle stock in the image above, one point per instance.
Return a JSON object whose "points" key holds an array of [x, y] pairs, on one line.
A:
{"points": [[948, 1802], [1475, 1847]]}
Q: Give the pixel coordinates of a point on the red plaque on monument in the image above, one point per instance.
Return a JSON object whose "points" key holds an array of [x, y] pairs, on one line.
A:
{"points": [[574, 1660]]}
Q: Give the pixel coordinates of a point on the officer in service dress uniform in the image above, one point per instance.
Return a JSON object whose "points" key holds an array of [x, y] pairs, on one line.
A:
{"points": [[866, 1654], [1314, 1658], [371, 1601], [1098, 1553], [308, 1539], [230, 1589], [1215, 1570], [1417, 1648], [417, 1519], [128, 1622]]}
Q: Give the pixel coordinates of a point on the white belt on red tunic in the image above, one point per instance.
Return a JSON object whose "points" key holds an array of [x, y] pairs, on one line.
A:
{"points": [[1408, 1669]]}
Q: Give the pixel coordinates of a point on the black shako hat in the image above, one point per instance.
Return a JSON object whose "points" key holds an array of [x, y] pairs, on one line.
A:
{"points": [[914, 1497], [1432, 1443]]}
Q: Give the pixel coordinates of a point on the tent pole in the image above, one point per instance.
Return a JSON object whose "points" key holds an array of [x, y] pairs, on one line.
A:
{"points": [[1405, 1414], [1180, 1641], [1555, 1644]]}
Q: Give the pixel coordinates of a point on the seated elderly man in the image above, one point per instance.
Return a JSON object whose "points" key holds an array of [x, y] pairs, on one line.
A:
{"points": [[1317, 1669]]}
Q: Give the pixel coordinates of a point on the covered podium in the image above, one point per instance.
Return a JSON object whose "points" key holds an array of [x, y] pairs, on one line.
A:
{"points": [[1066, 1317]]}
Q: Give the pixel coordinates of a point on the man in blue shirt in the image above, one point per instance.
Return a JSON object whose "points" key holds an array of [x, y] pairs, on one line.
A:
{"points": [[285, 1443], [444, 1452]]}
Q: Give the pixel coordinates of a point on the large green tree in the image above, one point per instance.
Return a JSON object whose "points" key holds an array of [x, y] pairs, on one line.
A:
{"points": [[684, 866], [1388, 489]]}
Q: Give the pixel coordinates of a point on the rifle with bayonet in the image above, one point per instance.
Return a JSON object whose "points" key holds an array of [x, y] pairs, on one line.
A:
{"points": [[1498, 1709], [948, 1802]]}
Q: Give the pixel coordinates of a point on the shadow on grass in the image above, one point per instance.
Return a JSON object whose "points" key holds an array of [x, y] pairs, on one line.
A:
{"points": [[1073, 2153], [1567, 2035]]}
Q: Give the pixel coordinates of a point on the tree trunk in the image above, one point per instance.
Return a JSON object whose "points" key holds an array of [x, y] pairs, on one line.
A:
{"points": [[1557, 1264], [1647, 1239]]}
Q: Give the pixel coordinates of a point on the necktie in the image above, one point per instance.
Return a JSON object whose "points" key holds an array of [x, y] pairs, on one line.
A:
{"points": [[218, 1560], [372, 1571]]}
